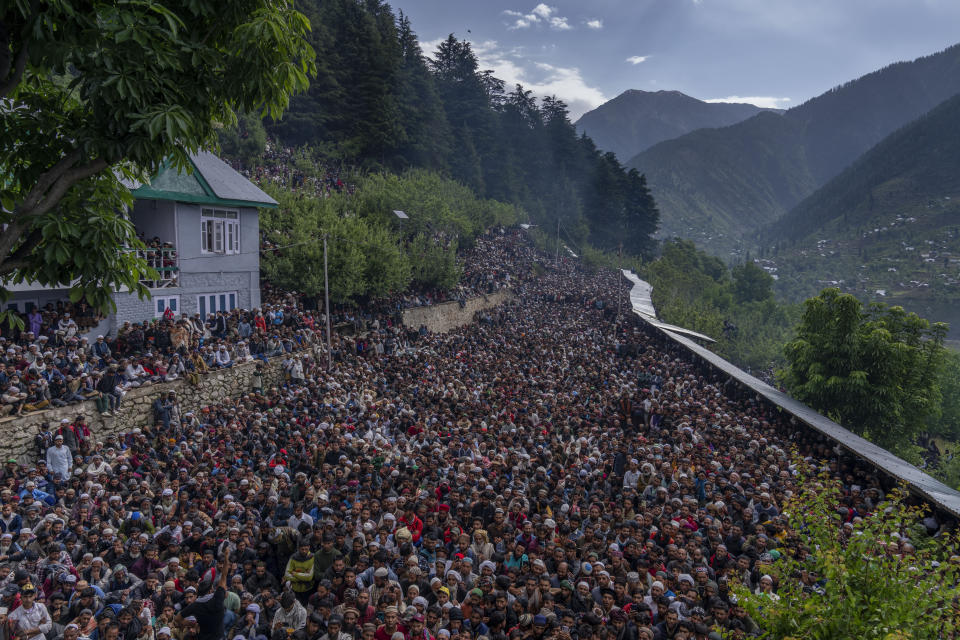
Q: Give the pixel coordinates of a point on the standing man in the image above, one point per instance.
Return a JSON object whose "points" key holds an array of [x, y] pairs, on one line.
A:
{"points": [[30, 620], [59, 460], [209, 608]]}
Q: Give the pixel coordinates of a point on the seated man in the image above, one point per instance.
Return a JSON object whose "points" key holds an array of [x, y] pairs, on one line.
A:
{"points": [[224, 360]]}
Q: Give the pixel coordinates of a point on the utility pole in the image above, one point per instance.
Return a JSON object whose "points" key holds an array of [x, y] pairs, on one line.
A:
{"points": [[557, 263], [326, 300], [619, 276]]}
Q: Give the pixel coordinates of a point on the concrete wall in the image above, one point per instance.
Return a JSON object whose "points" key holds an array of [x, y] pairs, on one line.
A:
{"points": [[440, 318], [188, 236], [16, 434]]}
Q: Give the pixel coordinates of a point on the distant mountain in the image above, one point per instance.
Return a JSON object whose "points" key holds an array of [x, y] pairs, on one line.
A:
{"points": [[719, 187], [636, 120], [887, 227]]}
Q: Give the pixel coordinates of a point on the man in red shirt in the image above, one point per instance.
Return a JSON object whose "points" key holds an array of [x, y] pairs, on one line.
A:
{"points": [[413, 524], [390, 625]]}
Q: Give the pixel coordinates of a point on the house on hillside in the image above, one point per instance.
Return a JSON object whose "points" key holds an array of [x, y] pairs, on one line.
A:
{"points": [[203, 238]]}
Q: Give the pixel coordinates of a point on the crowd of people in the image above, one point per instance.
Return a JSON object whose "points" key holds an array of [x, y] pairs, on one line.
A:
{"points": [[545, 473], [52, 363], [44, 369], [161, 256], [497, 260], [279, 165]]}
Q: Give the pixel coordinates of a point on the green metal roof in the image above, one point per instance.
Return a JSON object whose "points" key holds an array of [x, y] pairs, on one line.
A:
{"points": [[212, 181]]}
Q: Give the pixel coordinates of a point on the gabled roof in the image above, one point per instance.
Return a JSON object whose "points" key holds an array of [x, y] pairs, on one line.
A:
{"points": [[212, 181]]}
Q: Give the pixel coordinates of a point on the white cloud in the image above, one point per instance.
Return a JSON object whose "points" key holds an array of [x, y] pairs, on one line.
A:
{"points": [[635, 60], [766, 102], [524, 22], [595, 24], [544, 11], [543, 79], [541, 14], [429, 47]]}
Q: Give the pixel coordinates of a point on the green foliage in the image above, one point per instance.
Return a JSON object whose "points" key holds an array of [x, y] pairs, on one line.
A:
{"points": [[695, 290], [370, 254], [364, 259], [947, 423], [246, 141], [99, 92], [434, 265], [751, 283], [435, 205], [873, 370], [377, 102], [948, 471], [865, 591]]}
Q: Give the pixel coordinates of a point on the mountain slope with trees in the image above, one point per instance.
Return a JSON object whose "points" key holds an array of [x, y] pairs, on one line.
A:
{"points": [[380, 104], [886, 227], [721, 186], [636, 120]]}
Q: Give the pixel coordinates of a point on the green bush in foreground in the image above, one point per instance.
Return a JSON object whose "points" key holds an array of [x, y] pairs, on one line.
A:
{"points": [[838, 583]]}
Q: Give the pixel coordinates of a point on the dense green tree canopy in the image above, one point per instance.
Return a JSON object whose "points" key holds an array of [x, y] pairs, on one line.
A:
{"points": [[379, 102], [96, 92], [751, 283], [370, 254], [735, 306], [874, 370]]}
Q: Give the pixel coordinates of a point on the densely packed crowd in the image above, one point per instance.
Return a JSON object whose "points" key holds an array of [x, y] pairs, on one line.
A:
{"points": [[278, 164], [51, 363], [497, 260], [39, 372], [533, 476]]}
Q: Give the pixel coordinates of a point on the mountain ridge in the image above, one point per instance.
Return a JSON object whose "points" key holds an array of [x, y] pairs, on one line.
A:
{"points": [[719, 189], [636, 119]]}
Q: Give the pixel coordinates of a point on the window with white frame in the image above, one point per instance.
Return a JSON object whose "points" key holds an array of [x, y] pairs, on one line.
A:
{"points": [[220, 231], [162, 303], [212, 302]]}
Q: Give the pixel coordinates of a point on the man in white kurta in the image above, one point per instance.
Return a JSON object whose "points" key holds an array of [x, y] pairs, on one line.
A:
{"points": [[59, 459]]}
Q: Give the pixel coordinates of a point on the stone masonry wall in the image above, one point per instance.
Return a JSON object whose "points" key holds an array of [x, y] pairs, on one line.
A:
{"points": [[440, 318], [16, 433]]}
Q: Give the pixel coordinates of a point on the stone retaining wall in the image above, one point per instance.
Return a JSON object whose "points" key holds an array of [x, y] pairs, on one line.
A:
{"points": [[16, 433], [440, 318]]}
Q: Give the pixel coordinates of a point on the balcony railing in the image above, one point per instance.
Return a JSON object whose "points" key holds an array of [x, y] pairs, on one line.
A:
{"points": [[165, 261]]}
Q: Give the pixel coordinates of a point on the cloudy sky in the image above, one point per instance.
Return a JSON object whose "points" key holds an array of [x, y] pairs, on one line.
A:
{"points": [[768, 52]]}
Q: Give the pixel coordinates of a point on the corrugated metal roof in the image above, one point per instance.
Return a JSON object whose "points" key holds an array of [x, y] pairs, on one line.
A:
{"points": [[225, 182], [642, 303]]}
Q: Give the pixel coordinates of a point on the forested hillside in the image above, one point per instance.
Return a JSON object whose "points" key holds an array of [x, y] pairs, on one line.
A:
{"points": [[636, 120], [719, 187], [379, 103], [886, 227]]}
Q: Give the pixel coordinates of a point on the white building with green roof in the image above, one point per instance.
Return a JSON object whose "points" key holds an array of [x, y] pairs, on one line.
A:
{"points": [[203, 237]]}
